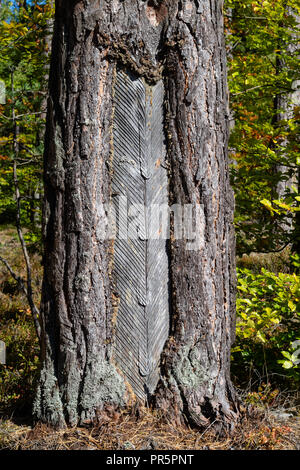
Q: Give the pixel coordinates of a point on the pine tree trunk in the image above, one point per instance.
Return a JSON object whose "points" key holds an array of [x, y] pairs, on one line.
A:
{"points": [[178, 44]]}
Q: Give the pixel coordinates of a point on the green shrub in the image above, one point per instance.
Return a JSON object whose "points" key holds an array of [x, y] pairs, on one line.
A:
{"points": [[267, 333]]}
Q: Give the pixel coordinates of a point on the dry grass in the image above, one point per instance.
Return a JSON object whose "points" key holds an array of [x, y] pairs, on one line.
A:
{"points": [[148, 431]]}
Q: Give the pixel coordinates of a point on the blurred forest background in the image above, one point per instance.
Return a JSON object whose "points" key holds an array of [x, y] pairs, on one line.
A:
{"points": [[264, 82]]}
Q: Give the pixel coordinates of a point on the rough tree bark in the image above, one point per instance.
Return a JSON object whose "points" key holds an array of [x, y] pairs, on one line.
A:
{"points": [[180, 42], [284, 104]]}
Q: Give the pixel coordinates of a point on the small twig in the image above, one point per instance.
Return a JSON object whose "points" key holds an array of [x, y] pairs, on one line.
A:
{"points": [[267, 85], [230, 49], [28, 162], [208, 427]]}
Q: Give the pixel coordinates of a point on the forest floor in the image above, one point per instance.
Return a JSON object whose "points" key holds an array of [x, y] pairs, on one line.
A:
{"points": [[262, 427]]}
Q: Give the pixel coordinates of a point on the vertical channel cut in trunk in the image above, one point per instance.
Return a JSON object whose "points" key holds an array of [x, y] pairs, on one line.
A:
{"points": [[181, 41], [139, 183]]}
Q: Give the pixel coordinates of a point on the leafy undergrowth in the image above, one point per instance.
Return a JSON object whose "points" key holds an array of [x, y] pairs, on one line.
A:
{"points": [[125, 431]]}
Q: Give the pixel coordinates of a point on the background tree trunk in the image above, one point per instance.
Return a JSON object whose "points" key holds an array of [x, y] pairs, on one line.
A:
{"points": [[181, 43]]}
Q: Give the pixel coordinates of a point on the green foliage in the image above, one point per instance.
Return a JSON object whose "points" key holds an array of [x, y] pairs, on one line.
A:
{"points": [[263, 57], [23, 68], [268, 310]]}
